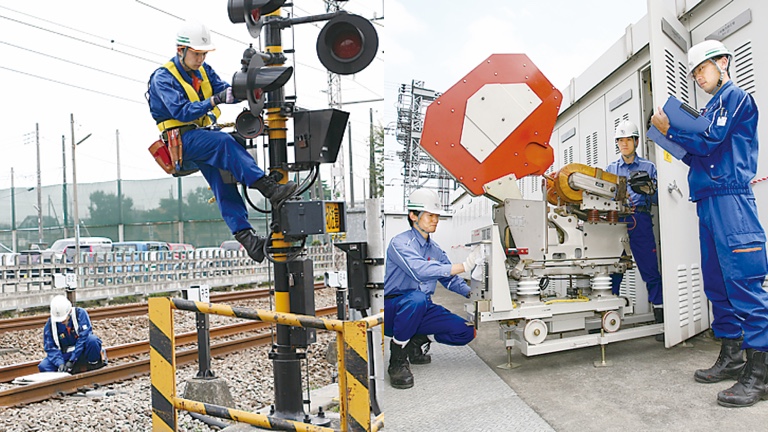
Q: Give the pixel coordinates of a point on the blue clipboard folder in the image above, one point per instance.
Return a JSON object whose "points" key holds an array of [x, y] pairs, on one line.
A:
{"points": [[683, 117]]}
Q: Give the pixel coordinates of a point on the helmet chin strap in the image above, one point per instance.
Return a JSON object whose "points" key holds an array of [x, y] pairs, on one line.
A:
{"points": [[418, 227], [722, 75], [182, 56]]}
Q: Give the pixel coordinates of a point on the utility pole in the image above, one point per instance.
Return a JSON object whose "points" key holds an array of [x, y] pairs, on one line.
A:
{"points": [[71, 293], [351, 175], [120, 227], [334, 101], [39, 190], [64, 184], [372, 189], [14, 238]]}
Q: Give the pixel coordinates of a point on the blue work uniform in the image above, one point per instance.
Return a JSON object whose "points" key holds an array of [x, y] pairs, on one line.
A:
{"points": [[205, 149], [723, 161], [414, 266], [78, 345], [642, 241]]}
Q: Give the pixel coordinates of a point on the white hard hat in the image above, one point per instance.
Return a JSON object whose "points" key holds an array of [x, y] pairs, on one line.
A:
{"points": [[196, 36], [706, 50], [60, 308], [425, 200], [626, 129]]}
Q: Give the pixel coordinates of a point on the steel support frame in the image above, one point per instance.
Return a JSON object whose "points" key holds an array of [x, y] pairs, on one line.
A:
{"points": [[353, 354]]}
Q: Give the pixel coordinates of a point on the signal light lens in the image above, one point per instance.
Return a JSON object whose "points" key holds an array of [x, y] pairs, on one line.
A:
{"points": [[348, 45]]}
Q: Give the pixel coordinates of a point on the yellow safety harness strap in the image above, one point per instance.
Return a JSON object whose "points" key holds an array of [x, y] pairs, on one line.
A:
{"points": [[192, 95]]}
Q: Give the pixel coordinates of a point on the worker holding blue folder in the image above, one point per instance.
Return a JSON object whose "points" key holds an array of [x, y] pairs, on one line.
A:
{"points": [[723, 160]]}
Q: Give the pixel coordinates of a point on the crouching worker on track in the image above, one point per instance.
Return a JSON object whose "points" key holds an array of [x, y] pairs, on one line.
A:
{"points": [[69, 341], [415, 263]]}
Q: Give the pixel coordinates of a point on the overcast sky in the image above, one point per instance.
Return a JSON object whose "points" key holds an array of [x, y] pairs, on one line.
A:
{"points": [[440, 42], [93, 59]]}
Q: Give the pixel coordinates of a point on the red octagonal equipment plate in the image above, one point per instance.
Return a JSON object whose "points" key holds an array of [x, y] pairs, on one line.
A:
{"points": [[494, 122]]}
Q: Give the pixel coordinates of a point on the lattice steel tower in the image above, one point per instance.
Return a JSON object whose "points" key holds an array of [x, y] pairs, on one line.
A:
{"points": [[419, 169]]}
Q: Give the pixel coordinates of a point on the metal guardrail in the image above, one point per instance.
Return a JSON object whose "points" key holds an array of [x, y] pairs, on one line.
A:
{"points": [[351, 348], [104, 275]]}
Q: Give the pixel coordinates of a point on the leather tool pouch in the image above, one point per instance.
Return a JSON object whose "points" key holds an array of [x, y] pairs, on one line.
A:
{"points": [[162, 156], [174, 147]]}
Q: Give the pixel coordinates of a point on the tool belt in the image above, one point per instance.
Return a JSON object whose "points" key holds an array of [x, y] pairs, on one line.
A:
{"points": [[168, 151]]}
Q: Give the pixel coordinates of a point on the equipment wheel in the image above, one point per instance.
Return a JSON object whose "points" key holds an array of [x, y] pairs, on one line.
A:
{"points": [[535, 331], [611, 321]]}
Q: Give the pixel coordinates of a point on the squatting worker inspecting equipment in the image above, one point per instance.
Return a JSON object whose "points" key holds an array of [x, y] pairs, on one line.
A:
{"points": [[183, 96], [641, 189], [69, 341], [723, 161], [414, 265]]}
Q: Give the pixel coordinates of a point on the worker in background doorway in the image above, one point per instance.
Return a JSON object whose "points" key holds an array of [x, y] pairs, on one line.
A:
{"points": [[723, 161], [69, 341], [641, 189], [184, 94], [414, 266]]}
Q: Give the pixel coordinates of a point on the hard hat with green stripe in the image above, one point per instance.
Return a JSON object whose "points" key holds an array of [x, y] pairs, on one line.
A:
{"points": [[703, 51], [425, 200], [195, 36]]}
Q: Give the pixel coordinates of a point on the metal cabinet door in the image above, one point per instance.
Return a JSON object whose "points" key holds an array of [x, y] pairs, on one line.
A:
{"points": [[686, 310]]}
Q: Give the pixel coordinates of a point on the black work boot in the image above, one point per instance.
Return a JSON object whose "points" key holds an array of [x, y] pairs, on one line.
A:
{"points": [[252, 243], [750, 387], [400, 375], [417, 349], [273, 190], [729, 363], [658, 315]]}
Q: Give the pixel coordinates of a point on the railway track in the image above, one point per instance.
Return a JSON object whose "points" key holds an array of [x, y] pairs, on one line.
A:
{"points": [[133, 309], [115, 373]]}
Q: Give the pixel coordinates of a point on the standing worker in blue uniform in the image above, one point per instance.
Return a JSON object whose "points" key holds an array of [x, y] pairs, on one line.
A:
{"points": [[69, 341], [723, 161], [414, 266], [184, 94], [642, 241]]}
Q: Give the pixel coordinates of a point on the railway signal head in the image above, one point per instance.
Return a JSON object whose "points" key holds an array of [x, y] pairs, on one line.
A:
{"points": [[251, 11], [347, 44], [255, 79]]}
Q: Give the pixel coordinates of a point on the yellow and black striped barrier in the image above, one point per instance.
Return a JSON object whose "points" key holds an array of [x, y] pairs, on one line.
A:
{"points": [[162, 365], [352, 347]]}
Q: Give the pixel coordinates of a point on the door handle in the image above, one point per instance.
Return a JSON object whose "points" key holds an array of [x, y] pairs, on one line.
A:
{"points": [[673, 187]]}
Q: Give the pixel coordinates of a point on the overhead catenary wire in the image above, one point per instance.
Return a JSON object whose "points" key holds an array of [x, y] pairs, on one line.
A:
{"points": [[79, 39], [80, 31], [73, 85], [72, 62]]}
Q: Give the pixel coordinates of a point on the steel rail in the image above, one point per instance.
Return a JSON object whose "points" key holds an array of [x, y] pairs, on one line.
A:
{"points": [[133, 309], [9, 373], [115, 373]]}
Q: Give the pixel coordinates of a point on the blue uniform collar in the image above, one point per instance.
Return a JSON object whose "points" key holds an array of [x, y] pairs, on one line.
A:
{"points": [[635, 163], [184, 73], [422, 241], [722, 88]]}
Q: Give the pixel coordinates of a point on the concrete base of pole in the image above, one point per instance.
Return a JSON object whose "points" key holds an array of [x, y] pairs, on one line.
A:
{"points": [[211, 390]]}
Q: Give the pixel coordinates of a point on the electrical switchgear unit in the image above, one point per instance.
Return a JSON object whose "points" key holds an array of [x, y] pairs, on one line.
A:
{"points": [[546, 276]]}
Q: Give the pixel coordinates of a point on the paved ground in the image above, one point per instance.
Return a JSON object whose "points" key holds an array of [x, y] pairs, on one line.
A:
{"points": [[648, 388]]}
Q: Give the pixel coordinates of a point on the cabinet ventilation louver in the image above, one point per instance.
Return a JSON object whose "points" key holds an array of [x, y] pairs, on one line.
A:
{"points": [[743, 68]]}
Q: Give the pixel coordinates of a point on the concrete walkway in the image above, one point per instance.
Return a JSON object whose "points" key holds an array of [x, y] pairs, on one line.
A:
{"points": [[457, 392]]}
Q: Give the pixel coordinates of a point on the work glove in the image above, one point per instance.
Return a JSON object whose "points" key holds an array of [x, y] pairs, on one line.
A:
{"points": [[66, 367], [477, 273], [224, 97], [474, 255]]}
